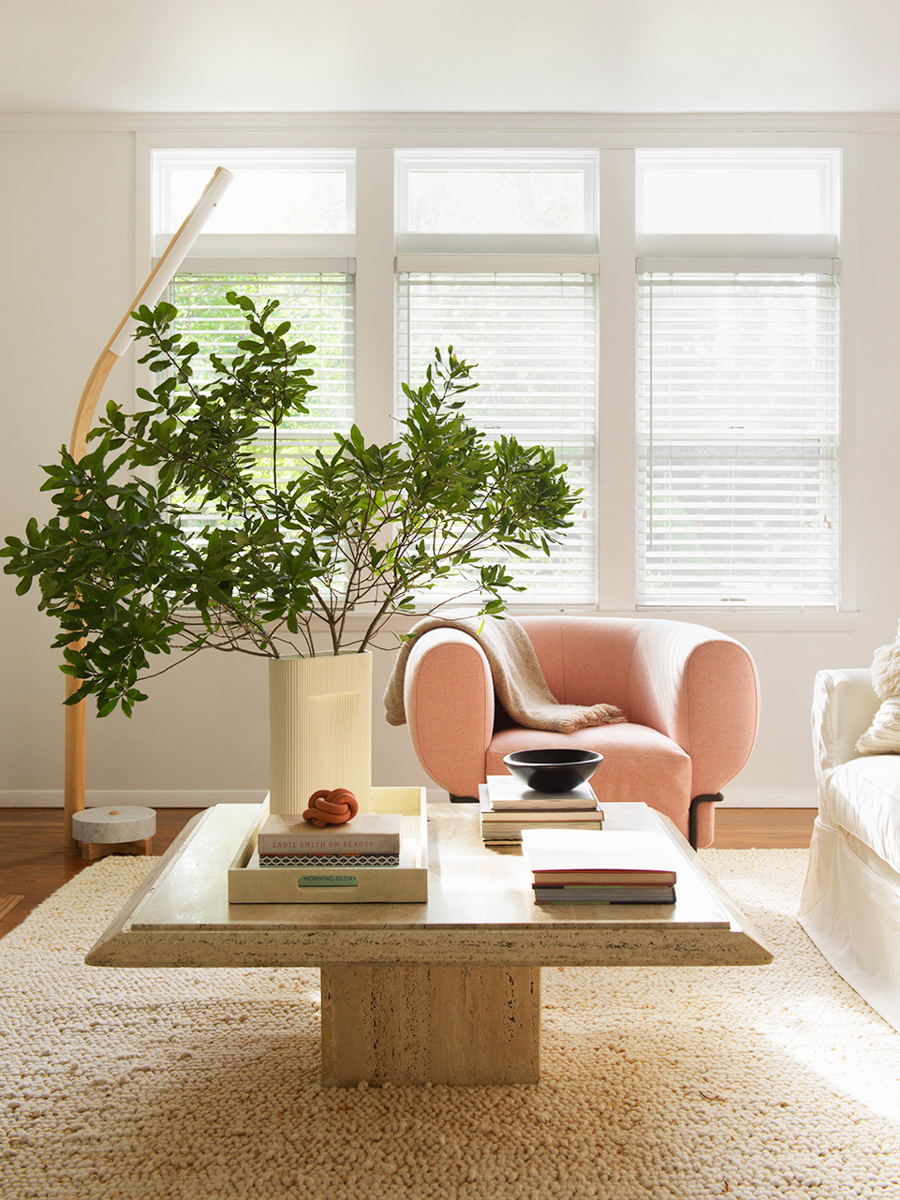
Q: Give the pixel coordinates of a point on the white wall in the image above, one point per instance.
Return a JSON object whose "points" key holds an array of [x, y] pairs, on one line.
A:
{"points": [[67, 266]]}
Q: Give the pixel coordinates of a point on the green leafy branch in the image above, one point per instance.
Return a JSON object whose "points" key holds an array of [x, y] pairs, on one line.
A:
{"points": [[166, 538]]}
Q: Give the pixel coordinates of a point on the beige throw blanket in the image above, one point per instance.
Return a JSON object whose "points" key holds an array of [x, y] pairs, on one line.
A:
{"points": [[518, 679]]}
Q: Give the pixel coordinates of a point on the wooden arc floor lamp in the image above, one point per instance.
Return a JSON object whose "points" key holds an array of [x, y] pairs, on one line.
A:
{"points": [[149, 294]]}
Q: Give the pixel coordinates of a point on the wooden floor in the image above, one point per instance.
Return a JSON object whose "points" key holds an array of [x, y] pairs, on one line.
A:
{"points": [[34, 861]]}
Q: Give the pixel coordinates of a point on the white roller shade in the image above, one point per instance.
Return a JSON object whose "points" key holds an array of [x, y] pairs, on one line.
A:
{"points": [[534, 338], [738, 433]]}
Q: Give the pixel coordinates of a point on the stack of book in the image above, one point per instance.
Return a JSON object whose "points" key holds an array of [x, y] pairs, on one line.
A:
{"points": [[613, 867], [509, 808], [369, 840]]}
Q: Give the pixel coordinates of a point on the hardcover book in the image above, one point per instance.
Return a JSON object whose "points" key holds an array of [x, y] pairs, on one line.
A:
{"points": [[557, 817], [367, 833], [579, 894], [613, 856], [505, 792], [344, 861], [508, 825]]}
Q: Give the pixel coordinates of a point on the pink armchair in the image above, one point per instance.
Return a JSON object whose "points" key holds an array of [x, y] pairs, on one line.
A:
{"points": [[690, 695]]}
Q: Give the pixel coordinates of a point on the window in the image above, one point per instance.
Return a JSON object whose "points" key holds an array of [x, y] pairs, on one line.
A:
{"points": [[534, 339], [738, 191], [738, 390], [266, 243], [496, 192], [721, 473], [525, 313], [274, 193], [738, 439], [320, 309]]}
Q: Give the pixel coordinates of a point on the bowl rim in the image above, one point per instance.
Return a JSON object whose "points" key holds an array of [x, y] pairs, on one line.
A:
{"points": [[584, 757]]}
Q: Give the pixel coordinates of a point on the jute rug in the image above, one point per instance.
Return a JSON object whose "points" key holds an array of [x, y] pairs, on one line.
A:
{"points": [[750, 1083]]}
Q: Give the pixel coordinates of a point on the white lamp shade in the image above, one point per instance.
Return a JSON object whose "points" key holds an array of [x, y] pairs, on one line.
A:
{"points": [[175, 254]]}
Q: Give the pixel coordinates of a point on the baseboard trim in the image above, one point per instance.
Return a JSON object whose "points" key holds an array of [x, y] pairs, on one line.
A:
{"points": [[147, 799], [739, 798], [769, 798]]}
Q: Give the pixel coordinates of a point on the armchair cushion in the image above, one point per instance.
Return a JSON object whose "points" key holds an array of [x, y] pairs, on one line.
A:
{"points": [[640, 765]]}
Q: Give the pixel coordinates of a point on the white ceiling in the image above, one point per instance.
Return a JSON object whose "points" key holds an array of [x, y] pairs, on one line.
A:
{"points": [[614, 56]]}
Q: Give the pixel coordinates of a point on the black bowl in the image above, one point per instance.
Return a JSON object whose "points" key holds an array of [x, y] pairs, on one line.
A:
{"points": [[553, 770]]}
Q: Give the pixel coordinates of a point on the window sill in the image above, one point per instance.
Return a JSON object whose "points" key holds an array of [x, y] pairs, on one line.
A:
{"points": [[725, 620], [760, 620]]}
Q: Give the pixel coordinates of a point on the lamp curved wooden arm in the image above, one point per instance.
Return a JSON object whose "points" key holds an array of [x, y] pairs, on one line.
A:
{"points": [[149, 294]]}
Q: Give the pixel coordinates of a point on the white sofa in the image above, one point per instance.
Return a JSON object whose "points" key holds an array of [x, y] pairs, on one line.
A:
{"points": [[850, 905]]}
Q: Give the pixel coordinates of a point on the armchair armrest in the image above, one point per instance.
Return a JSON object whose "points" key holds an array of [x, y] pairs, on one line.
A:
{"points": [[448, 694], [844, 706], [701, 689]]}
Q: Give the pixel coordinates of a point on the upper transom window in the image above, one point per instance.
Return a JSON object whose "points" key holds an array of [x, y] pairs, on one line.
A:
{"points": [[274, 191], [496, 191], [738, 191]]}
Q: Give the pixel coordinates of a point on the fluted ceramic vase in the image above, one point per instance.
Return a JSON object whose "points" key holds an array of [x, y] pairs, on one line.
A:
{"points": [[320, 728]]}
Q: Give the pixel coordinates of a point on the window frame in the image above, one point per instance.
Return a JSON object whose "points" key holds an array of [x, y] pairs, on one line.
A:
{"points": [[616, 140], [265, 257], [740, 282], [700, 253]]}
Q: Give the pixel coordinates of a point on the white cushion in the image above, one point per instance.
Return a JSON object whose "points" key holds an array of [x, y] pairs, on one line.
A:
{"points": [[863, 797], [844, 704], [883, 736]]}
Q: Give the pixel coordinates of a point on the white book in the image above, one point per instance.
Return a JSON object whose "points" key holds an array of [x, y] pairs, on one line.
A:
{"points": [[505, 792], [616, 851]]}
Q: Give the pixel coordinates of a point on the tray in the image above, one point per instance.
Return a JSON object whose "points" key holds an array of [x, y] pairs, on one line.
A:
{"points": [[248, 883]]}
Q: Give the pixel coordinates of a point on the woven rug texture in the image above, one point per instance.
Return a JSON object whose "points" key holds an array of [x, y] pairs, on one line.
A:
{"points": [[753, 1083]]}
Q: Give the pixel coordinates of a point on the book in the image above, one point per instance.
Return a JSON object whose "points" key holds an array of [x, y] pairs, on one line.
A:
{"points": [[508, 826], [607, 878], [603, 894], [344, 861], [512, 835], [367, 833], [620, 856], [407, 883], [534, 817], [506, 793]]}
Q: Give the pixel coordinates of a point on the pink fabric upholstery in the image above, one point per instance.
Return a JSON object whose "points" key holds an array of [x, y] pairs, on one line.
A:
{"points": [[690, 695]]}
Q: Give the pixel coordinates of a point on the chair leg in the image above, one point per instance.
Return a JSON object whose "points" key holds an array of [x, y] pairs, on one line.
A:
{"points": [[692, 815]]}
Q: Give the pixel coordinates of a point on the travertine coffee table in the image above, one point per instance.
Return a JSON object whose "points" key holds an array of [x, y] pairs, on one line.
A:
{"points": [[447, 991]]}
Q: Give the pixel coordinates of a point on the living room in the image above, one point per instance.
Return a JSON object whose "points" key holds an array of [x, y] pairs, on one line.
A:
{"points": [[81, 221], [91, 98]]}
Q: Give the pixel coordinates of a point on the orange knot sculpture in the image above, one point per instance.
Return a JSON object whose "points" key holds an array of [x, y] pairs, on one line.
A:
{"points": [[331, 808]]}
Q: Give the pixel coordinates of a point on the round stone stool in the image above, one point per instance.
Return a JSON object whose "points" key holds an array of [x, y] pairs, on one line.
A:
{"points": [[115, 830]]}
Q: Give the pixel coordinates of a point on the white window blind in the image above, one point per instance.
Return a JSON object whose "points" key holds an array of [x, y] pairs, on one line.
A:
{"points": [[534, 338], [320, 308], [738, 426]]}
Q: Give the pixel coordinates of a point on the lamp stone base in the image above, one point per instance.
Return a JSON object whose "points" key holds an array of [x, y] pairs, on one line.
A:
{"points": [[114, 830]]}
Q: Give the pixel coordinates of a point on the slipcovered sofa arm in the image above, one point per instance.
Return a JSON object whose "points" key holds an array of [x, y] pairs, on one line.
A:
{"points": [[844, 706], [448, 694], [701, 689]]}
